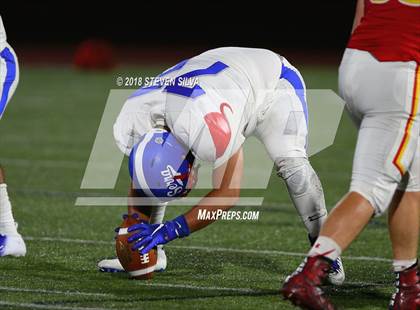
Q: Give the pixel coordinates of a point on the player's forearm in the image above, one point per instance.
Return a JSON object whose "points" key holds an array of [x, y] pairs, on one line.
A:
{"points": [[227, 183], [217, 199], [180, 227]]}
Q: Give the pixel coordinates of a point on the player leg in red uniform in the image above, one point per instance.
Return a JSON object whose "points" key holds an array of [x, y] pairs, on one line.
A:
{"points": [[382, 95]]}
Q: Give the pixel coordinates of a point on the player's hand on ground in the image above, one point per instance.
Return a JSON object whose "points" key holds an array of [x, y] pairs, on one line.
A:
{"points": [[150, 235]]}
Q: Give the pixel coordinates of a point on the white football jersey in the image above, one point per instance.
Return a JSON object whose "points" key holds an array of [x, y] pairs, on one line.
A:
{"points": [[2, 31], [210, 102]]}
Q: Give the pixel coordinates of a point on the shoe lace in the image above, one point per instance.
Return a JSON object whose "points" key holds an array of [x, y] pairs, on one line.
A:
{"points": [[300, 267], [335, 266]]}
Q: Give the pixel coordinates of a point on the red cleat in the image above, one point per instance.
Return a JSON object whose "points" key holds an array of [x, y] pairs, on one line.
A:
{"points": [[302, 288], [407, 296]]}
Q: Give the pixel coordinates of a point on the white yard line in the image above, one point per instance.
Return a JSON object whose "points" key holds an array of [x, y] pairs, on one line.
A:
{"points": [[273, 252], [151, 284], [68, 240], [363, 284], [44, 291], [210, 249], [201, 288], [240, 290], [138, 283], [41, 306], [45, 163]]}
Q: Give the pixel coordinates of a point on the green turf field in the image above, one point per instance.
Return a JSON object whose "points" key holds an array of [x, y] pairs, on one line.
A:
{"points": [[45, 141]]}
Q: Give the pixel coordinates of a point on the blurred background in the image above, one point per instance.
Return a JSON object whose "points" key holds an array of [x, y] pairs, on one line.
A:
{"points": [[71, 54], [310, 31]]}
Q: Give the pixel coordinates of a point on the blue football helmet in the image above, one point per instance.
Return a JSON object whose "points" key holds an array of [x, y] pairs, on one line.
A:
{"points": [[160, 166]]}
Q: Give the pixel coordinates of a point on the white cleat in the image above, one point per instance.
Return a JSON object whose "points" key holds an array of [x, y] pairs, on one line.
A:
{"points": [[110, 265], [337, 275], [12, 245], [114, 265], [161, 260]]}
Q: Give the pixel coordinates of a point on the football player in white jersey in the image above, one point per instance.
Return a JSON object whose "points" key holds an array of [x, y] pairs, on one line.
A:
{"points": [[11, 242], [205, 107]]}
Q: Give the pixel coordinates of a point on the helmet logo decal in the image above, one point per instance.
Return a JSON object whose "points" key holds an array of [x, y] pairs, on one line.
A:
{"points": [[219, 128], [172, 181], [159, 140]]}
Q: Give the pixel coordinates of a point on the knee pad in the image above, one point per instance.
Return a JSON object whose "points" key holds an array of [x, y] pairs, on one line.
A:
{"points": [[298, 174], [305, 190]]}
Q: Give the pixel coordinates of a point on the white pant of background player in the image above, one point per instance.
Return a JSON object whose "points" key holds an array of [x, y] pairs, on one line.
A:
{"points": [[11, 242], [387, 154]]}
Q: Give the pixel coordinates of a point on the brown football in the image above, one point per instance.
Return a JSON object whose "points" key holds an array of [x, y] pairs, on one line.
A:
{"points": [[138, 266]]}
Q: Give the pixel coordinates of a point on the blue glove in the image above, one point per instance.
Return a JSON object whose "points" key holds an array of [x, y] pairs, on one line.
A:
{"points": [[151, 235]]}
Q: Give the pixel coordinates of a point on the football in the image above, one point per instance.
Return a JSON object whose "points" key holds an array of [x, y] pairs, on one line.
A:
{"points": [[138, 266]]}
